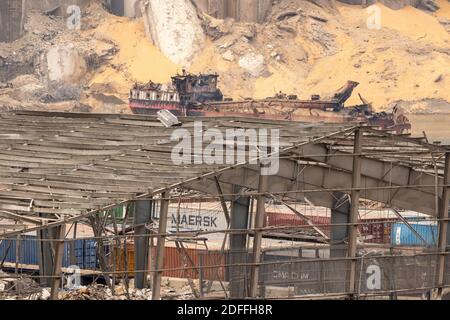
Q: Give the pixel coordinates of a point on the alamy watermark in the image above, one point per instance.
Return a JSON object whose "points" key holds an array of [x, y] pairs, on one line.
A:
{"points": [[373, 273], [374, 19], [73, 278], [74, 19], [230, 147]]}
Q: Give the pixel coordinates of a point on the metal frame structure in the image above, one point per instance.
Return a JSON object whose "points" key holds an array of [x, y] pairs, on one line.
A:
{"points": [[59, 168]]}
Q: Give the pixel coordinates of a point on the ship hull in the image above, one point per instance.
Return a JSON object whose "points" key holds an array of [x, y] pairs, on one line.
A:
{"points": [[152, 108], [302, 111]]}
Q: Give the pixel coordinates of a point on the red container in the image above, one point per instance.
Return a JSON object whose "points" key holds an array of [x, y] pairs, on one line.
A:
{"points": [[377, 230], [174, 260], [287, 219]]}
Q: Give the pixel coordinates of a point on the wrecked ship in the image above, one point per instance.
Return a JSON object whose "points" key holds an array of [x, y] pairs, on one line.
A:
{"points": [[199, 96]]}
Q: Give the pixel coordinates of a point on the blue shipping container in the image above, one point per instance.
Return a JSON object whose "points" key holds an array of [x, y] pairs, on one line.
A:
{"points": [[27, 250], [84, 251], [402, 235]]}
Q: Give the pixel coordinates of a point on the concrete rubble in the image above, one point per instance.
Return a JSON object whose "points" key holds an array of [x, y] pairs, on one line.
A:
{"points": [[100, 292], [13, 287], [253, 63], [65, 64]]}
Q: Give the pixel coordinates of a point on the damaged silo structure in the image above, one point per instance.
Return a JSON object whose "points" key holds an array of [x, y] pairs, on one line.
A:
{"points": [[12, 19], [175, 28], [55, 5], [240, 10], [248, 10], [124, 8], [397, 4]]}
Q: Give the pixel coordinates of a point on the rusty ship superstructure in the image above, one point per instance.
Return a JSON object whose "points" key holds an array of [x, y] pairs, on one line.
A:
{"points": [[151, 97]]}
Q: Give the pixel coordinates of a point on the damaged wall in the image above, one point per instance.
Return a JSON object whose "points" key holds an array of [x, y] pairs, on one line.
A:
{"points": [[240, 10], [12, 19]]}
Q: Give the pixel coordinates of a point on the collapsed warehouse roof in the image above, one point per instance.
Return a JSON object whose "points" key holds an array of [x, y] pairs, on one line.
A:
{"points": [[58, 168]]}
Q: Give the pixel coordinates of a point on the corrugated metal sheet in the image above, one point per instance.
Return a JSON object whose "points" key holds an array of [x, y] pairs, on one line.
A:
{"points": [[401, 235]]}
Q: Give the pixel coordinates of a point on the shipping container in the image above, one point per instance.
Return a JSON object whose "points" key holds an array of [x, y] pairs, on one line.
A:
{"points": [[373, 230], [84, 255], [376, 230], [402, 235], [27, 250], [174, 259], [118, 212], [120, 255]]}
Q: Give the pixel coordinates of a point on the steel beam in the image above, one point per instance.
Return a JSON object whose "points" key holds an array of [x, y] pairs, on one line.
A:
{"points": [[143, 215], [375, 174], [58, 261], [444, 238], [98, 227], [238, 244], [340, 214], [222, 200], [354, 210], [160, 246], [257, 238], [45, 256]]}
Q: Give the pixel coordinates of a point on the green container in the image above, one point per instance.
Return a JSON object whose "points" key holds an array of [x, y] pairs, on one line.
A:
{"points": [[119, 212]]}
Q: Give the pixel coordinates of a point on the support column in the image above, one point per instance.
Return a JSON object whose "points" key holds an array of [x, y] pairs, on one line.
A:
{"points": [[354, 210], [142, 216], [444, 238], [238, 244], [98, 227], [340, 215], [45, 256], [337, 270], [160, 246], [58, 261], [257, 238], [222, 200]]}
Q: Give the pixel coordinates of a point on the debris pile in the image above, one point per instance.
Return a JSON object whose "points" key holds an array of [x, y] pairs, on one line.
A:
{"points": [[24, 288], [12, 287], [100, 292]]}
